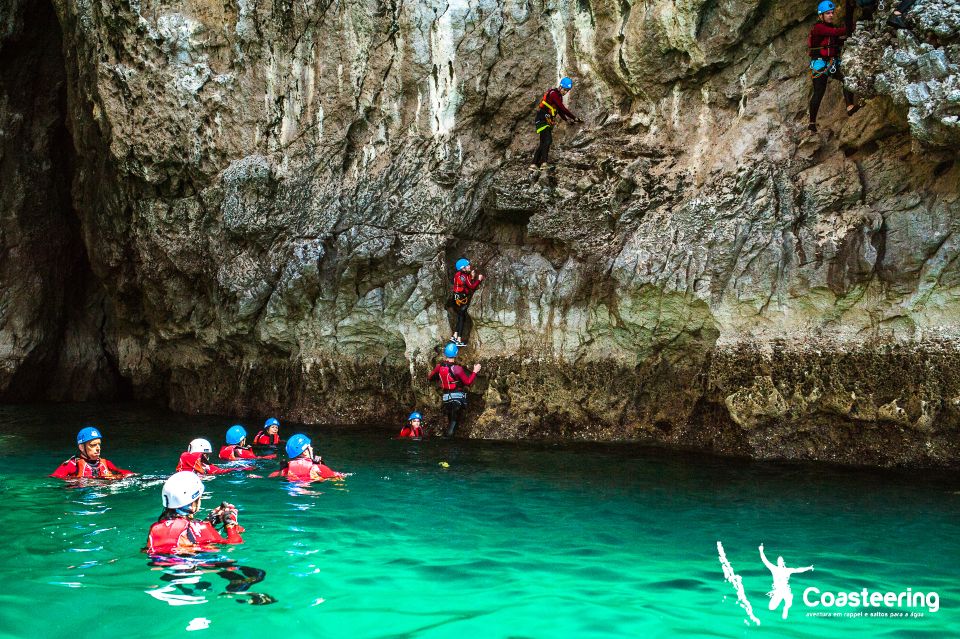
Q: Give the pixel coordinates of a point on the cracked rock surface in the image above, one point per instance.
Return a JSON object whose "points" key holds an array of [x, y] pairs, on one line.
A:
{"points": [[268, 197]]}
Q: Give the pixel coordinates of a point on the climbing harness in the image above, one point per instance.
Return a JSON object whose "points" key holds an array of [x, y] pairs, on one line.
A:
{"points": [[551, 117]]}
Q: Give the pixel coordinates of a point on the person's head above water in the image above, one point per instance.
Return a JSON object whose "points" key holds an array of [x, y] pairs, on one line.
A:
{"points": [[199, 445], [414, 419], [182, 492], [271, 426], [88, 441], [299, 446], [450, 351], [236, 435]]}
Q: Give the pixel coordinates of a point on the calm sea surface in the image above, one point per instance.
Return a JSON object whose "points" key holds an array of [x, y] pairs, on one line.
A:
{"points": [[510, 540]]}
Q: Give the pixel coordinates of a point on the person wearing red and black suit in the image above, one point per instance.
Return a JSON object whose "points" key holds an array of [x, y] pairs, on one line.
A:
{"points": [[453, 380], [88, 464]]}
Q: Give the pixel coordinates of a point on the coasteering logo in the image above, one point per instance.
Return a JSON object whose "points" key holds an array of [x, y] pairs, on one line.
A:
{"points": [[827, 603]]}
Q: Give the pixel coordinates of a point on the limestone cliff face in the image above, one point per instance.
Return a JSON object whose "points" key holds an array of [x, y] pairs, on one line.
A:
{"points": [[270, 195]]}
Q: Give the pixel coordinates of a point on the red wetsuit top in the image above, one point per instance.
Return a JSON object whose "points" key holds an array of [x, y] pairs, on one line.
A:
{"points": [[231, 452], [463, 283], [265, 439], [194, 462], [77, 467], [451, 376], [181, 534], [824, 40], [554, 98], [411, 431], [304, 469]]}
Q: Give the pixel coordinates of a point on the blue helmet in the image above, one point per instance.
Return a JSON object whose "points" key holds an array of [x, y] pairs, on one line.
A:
{"points": [[414, 415], [296, 445], [273, 421], [825, 6], [88, 434], [817, 65], [235, 434], [462, 263], [450, 350], [566, 83]]}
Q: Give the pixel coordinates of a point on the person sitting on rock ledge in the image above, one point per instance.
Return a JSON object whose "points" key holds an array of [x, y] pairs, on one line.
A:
{"points": [[197, 460], [235, 447], [303, 465], [550, 107], [413, 429], [453, 378], [89, 464], [824, 45], [463, 287]]}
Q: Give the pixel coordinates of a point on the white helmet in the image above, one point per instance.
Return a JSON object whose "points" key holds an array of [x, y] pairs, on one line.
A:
{"points": [[181, 489], [199, 446]]}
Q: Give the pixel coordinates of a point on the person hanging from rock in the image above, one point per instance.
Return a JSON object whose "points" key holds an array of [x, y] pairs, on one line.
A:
{"points": [[453, 379], [464, 285], [548, 110], [824, 45]]}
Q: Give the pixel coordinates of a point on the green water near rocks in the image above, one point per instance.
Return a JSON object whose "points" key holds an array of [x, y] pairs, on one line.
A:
{"points": [[512, 540]]}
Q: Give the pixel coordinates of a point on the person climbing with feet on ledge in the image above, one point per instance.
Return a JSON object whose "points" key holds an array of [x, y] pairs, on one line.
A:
{"points": [[464, 285], [412, 430], [549, 109], [453, 379], [824, 45], [197, 460], [89, 464]]}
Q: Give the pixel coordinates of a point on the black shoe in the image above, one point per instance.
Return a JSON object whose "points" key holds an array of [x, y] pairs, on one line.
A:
{"points": [[856, 107], [897, 22], [812, 127]]}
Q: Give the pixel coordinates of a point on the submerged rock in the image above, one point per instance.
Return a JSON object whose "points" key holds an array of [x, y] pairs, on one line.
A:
{"points": [[270, 197]]}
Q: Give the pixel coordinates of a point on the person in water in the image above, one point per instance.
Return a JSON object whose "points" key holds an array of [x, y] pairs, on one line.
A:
{"points": [[781, 582], [824, 45], [197, 459], [177, 530], [453, 380], [550, 108], [464, 285], [413, 428], [89, 463], [269, 435], [236, 447], [303, 465]]}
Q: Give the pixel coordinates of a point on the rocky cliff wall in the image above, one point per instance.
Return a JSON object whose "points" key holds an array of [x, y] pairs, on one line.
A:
{"points": [[270, 195]]}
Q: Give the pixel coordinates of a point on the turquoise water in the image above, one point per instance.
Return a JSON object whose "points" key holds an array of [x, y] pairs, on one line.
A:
{"points": [[512, 540]]}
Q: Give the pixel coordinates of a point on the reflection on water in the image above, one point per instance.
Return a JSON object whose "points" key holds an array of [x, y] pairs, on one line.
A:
{"points": [[505, 540]]}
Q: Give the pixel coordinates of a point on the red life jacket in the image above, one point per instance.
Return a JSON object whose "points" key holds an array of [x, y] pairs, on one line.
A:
{"points": [[410, 431], [462, 282], [191, 461], [175, 534], [304, 469], [264, 439], [449, 381], [99, 470]]}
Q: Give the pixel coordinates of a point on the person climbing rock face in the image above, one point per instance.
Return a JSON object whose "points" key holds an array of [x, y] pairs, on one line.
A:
{"points": [[896, 19], [453, 379], [413, 429], [464, 284], [236, 447], [197, 460], [824, 44], [550, 108], [176, 530], [304, 466], [89, 464]]}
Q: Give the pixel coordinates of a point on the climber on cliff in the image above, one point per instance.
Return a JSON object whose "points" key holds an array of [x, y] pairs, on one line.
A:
{"points": [[549, 109], [464, 285], [413, 430], [89, 464], [824, 46], [453, 378], [236, 447], [197, 460], [304, 466]]}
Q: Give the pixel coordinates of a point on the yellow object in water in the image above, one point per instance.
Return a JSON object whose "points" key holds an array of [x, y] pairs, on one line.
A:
{"points": [[444, 464]]}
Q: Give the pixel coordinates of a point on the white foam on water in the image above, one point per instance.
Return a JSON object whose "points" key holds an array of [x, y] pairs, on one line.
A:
{"points": [[737, 583], [200, 623]]}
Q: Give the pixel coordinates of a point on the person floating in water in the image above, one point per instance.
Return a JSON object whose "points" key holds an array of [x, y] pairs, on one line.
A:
{"points": [[824, 46], [197, 459], [177, 531], [550, 108], [303, 465], [236, 447], [463, 287], [89, 464], [413, 428], [453, 379], [781, 587], [269, 435]]}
